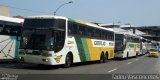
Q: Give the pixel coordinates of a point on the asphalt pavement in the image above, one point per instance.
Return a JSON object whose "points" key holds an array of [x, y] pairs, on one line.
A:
{"points": [[138, 65]]}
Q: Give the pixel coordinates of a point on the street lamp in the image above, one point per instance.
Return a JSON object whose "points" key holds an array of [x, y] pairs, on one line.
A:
{"points": [[62, 6]]}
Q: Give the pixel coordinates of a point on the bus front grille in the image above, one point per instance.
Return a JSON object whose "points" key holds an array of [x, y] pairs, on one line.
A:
{"points": [[34, 53]]}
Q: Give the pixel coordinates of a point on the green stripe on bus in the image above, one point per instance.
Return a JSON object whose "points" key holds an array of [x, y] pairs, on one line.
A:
{"points": [[85, 48], [131, 45], [80, 48]]}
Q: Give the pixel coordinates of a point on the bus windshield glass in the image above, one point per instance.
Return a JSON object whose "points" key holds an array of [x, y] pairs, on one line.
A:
{"points": [[43, 34], [119, 42], [45, 23], [37, 23], [36, 39]]}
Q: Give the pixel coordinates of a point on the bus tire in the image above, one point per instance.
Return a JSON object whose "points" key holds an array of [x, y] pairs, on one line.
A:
{"points": [[137, 54], [68, 61], [102, 58], [127, 56], [106, 57]]}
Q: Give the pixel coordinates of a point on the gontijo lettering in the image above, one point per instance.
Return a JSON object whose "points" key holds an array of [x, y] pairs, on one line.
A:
{"points": [[99, 43]]}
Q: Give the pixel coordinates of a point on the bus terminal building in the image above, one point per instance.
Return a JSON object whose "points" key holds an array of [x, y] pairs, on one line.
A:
{"points": [[148, 32], [151, 32]]}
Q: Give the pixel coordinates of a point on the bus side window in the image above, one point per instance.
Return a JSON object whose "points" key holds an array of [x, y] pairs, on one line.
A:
{"points": [[98, 33], [6, 30], [87, 31], [14, 31], [1, 28], [81, 30], [103, 34], [61, 23], [72, 28], [11, 30], [112, 35], [59, 40], [106, 35]]}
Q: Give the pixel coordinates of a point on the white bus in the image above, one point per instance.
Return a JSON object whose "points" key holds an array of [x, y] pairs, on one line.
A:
{"points": [[126, 45], [10, 34], [145, 46], [54, 40]]}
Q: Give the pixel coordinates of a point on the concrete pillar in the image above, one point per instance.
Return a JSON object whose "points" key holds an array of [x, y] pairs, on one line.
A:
{"points": [[4, 10]]}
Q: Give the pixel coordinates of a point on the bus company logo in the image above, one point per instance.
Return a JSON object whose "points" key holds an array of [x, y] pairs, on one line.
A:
{"points": [[101, 43], [58, 58], [131, 45]]}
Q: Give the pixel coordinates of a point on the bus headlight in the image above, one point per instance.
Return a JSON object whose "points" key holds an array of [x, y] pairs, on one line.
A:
{"points": [[21, 59]]}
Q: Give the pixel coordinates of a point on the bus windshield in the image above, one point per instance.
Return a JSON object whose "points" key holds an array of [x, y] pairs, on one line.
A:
{"points": [[36, 39], [119, 39], [37, 23], [43, 34], [45, 23], [119, 45]]}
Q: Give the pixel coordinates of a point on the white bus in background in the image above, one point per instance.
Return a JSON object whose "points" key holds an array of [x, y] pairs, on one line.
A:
{"points": [[145, 46], [126, 45], [159, 46], [10, 34]]}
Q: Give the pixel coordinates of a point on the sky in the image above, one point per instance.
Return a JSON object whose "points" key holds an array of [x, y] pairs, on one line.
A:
{"points": [[134, 12]]}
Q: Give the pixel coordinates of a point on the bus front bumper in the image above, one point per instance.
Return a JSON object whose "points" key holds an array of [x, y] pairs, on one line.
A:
{"points": [[119, 55], [38, 60]]}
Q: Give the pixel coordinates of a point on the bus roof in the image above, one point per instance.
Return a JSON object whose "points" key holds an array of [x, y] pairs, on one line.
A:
{"points": [[70, 19], [89, 24], [10, 19], [45, 17]]}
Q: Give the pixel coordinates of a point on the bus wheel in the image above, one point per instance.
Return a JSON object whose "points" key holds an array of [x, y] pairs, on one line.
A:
{"points": [[137, 54], [102, 58], [106, 57], [127, 56], [68, 61]]}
